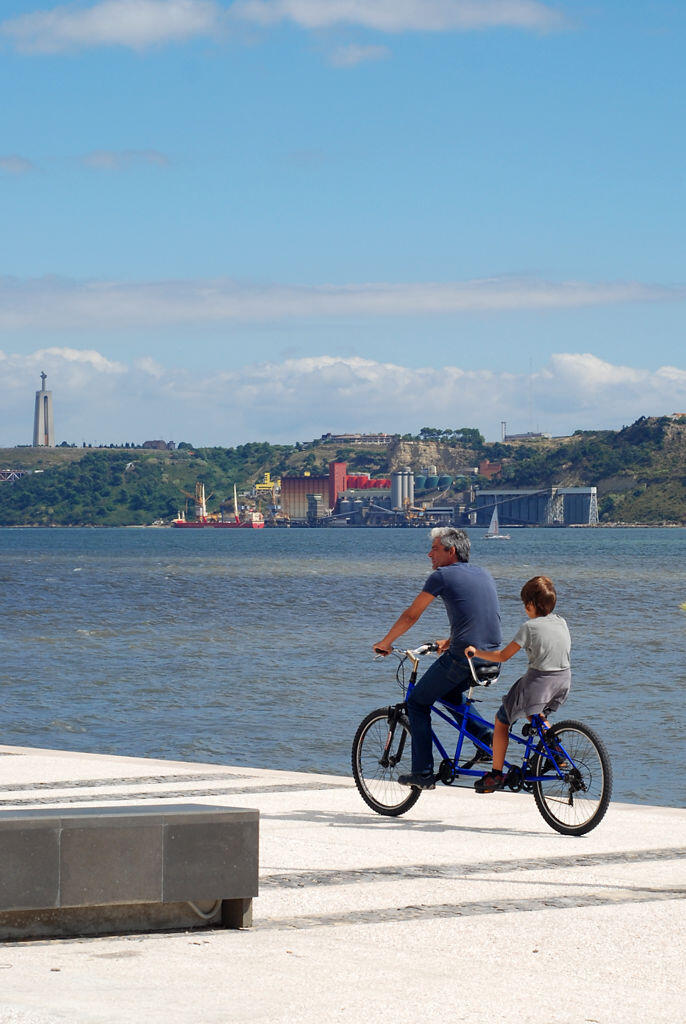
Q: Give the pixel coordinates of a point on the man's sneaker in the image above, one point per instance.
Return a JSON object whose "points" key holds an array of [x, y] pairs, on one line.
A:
{"points": [[418, 780], [490, 782]]}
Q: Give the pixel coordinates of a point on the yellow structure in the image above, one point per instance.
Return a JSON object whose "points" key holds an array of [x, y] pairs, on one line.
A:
{"points": [[268, 487]]}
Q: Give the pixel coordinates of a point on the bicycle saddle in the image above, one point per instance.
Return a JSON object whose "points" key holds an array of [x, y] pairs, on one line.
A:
{"points": [[486, 674]]}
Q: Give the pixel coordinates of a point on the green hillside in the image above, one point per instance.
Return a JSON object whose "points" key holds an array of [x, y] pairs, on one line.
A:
{"points": [[121, 487], [640, 472]]}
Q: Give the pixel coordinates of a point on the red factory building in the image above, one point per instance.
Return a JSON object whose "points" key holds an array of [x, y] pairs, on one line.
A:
{"points": [[294, 489]]}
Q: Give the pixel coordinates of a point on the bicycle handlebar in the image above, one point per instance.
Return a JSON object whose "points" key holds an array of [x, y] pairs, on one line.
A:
{"points": [[430, 648], [418, 652]]}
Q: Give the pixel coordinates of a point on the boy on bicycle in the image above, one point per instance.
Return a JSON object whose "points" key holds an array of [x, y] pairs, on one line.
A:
{"points": [[545, 684]]}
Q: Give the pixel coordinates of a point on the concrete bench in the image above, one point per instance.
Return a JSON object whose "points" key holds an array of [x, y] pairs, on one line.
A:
{"points": [[101, 870]]}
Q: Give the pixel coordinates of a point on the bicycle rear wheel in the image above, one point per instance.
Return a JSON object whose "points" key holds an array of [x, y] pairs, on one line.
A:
{"points": [[577, 802], [381, 752]]}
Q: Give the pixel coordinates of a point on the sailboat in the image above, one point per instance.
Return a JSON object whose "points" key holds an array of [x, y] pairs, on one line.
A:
{"points": [[493, 532]]}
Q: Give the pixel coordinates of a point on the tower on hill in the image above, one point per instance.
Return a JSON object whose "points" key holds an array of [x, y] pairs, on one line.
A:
{"points": [[43, 424]]}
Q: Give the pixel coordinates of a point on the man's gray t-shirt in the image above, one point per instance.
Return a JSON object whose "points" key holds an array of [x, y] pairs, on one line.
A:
{"points": [[469, 595], [546, 641]]}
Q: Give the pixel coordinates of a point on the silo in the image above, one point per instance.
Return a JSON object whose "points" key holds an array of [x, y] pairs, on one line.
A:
{"points": [[409, 485], [431, 483], [444, 482], [420, 482], [397, 489]]}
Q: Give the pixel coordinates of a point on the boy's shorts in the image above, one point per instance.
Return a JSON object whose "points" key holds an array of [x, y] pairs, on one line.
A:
{"points": [[536, 693]]}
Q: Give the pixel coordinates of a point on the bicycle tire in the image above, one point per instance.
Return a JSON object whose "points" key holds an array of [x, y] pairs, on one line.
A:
{"points": [[377, 784], [575, 804]]}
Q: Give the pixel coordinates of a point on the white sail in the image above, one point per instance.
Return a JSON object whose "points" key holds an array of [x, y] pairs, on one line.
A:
{"points": [[493, 532]]}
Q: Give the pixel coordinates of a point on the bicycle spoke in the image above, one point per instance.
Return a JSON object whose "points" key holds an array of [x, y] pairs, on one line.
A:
{"points": [[376, 781], [575, 800]]}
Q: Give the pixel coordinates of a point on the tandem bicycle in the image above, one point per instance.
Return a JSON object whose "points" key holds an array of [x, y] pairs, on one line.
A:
{"points": [[566, 766]]}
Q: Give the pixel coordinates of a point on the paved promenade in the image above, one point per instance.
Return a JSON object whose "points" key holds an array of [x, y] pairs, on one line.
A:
{"points": [[467, 909]]}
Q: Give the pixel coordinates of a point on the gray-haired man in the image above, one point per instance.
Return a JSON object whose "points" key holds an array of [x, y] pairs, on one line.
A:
{"points": [[469, 595]]}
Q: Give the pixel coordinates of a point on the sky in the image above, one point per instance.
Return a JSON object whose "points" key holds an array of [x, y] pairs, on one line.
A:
{"points": [[270, 219]]}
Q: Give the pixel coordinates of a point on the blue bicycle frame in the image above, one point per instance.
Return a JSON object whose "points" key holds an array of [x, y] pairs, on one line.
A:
{"points": [[534, 739], [566, 767]]}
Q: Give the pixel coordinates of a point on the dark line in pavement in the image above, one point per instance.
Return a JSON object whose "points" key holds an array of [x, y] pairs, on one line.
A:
{"points": [[159, 794], [331, 876], [443, 910], [123, 781]]}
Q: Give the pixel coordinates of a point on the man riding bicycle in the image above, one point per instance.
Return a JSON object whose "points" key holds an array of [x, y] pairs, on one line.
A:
{"points": [[469, 595]]}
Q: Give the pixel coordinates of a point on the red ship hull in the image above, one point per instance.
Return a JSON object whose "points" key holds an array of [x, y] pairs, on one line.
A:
{"points": [[199, 524], [237, 526]]}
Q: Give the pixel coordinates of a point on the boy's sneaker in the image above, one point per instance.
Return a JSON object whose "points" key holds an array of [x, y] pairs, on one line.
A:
{"points": [[418, 780], [490, 782], [560, 762]]}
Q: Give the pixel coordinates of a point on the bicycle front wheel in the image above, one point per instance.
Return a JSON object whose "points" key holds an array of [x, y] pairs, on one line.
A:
{"points": [[381, 752], [576, 802]]}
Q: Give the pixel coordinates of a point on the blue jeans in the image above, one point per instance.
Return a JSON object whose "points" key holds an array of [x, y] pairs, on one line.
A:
{"points": [[448, 677]]}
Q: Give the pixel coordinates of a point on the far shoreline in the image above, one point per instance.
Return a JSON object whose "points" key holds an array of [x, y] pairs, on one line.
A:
{"points": [[168, 526]]}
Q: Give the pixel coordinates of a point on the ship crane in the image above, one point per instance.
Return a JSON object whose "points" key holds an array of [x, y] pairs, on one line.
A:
{"points": [[250, 519], [199, 500]]}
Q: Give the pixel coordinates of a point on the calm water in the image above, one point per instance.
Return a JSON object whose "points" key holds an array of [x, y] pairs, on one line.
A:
{"points": [[253, 647]]}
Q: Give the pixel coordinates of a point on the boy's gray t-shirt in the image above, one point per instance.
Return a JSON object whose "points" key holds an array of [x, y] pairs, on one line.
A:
{"points": [[546, 641]]}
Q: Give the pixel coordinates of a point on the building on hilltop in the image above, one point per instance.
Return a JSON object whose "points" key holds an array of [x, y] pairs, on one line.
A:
{"points": [[43, 423], [490, 469], [358, 438]]}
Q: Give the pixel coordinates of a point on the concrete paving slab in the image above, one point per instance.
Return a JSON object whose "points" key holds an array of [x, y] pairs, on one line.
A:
{"points": [[469, 908]]}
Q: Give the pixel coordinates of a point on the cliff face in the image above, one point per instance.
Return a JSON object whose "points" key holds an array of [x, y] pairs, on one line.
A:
{"points": [[452, 459]]}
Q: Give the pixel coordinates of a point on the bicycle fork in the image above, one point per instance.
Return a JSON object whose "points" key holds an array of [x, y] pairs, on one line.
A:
{"points": [[558, 758], [397, 714]]}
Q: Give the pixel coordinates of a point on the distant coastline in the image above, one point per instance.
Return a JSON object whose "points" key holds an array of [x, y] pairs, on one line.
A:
{"points": [[537, 526], [639, 473]]}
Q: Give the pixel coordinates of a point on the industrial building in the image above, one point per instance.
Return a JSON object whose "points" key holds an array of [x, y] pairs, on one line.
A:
{"points": [[295, 489], [358, 499], [550, 506]]}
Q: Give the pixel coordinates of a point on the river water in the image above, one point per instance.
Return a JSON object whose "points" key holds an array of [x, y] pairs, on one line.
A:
{"points": [[253, 647]]}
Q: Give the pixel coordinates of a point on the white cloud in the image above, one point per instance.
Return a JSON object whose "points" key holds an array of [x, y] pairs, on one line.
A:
{"points": [[97, 399], [353, 54], [403, 15], [13, 164], [56, 304], [140, 24], [118, 160], [132, 23]]}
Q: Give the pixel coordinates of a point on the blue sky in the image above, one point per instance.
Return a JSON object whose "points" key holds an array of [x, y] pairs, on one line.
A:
{"points": [[274, 218]]}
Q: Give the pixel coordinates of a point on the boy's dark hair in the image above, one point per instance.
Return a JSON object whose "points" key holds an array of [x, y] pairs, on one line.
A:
{"points": [[540, 592]]}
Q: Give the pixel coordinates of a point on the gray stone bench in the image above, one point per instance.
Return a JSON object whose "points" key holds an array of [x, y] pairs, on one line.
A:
{"points": [[99, 870]]}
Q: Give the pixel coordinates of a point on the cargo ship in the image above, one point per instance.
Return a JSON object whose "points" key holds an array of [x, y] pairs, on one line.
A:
{"points": [[248, 519]]}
